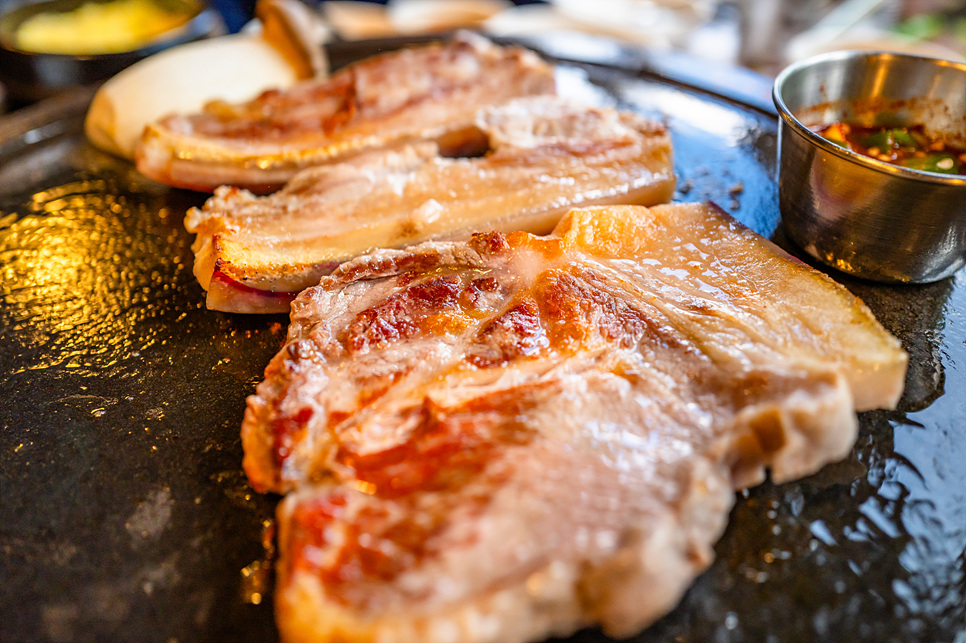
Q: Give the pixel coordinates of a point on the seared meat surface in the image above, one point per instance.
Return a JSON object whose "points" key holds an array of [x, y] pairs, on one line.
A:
{"points": [[414, 94], [519, 167], [517, 436]]}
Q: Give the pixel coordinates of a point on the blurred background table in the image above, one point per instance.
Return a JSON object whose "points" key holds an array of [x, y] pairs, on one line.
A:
{"points": [[764, 35]]}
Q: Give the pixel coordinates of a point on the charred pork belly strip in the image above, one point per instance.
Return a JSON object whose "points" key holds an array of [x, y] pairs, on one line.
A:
{"points": [[412, 94], [523, 165], [516, 436]]}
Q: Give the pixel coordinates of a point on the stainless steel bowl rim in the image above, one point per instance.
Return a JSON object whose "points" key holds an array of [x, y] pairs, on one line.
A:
{"points": [[875, 164]]}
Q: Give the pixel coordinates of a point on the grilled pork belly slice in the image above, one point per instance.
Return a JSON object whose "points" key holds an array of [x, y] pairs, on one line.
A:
{"points": [[531, 160], [412, 94], [515, 436]]}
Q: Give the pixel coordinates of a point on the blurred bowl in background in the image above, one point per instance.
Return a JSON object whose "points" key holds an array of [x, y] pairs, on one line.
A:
{"points": [[861, 215], [429, 16], [33, 75]]}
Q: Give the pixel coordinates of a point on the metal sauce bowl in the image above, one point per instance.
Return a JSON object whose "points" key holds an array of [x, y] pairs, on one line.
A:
{"points": [[861, 215]]}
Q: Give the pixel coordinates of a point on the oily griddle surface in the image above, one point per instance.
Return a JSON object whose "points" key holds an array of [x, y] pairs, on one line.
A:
{"points": [[124, 512]]}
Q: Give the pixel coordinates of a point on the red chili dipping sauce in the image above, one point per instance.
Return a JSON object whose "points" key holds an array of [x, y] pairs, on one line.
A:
{"points": [[909, 147]]}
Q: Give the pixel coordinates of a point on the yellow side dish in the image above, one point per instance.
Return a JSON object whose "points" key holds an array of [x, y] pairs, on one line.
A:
{"points": [[97, 28]]}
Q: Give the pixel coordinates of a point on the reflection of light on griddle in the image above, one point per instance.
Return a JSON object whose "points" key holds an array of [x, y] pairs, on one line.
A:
{"points": [[721, 120], [74, 286]]}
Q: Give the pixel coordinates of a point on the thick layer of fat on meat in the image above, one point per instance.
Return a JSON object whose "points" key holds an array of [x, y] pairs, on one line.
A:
{"points": [[234, 67], [544, 156], [730, 271], [413, 94], [514, 437]]}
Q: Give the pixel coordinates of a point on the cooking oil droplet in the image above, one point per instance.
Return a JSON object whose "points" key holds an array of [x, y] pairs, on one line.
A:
{"points": [[255, 581], [257, 577], [235, 487]]}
